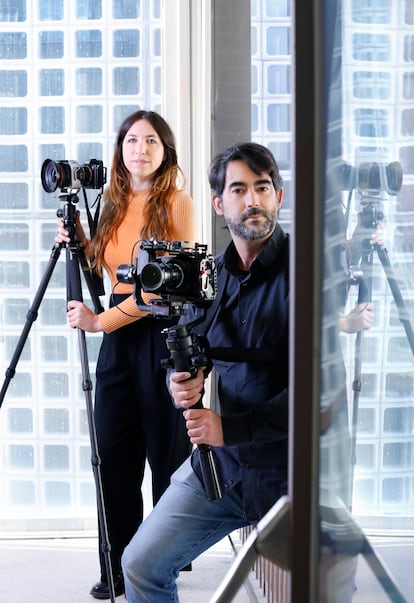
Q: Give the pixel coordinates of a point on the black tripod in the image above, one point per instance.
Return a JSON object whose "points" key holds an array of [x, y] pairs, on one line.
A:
{"points": [[75, 258], [369, 220]]}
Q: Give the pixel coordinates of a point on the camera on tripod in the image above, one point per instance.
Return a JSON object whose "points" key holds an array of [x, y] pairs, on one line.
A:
{"points": [[371, 176], [70, 176], [180, 274]]}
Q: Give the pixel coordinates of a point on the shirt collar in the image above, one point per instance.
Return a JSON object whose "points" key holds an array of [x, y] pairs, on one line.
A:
{"points": [[266, 257]]}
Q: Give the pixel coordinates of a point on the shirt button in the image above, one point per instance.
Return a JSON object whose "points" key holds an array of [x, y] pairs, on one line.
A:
{"points": [[243, 321]]}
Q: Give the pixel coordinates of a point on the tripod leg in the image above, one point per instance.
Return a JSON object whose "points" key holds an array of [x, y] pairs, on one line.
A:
{"points": [[74, 292], [31, 317], [396, 293]]}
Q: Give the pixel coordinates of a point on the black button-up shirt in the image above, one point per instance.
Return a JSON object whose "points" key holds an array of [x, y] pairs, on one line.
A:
{"points": [[252, 320]]}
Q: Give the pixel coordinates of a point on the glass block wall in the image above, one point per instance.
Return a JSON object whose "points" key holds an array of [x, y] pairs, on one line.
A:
{"points": [[69, 73], [271, 79], [378, 63]]}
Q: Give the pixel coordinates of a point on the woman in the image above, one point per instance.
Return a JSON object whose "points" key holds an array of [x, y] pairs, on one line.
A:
{"points": [[135, 418]]}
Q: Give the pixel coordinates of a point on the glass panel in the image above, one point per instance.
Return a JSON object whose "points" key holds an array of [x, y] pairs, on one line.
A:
{"points": [[70, 73], [367, 375]]}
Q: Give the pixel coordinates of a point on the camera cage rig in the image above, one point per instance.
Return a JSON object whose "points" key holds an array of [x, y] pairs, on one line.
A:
{"points": [[186, 277], [182, 275]]}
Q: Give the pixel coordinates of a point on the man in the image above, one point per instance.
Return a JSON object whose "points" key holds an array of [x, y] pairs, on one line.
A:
{"points": [[249, 437]]}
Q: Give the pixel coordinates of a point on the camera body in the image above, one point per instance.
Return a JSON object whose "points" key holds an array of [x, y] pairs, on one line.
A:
{"points": [[178, 273], [70, 176]]}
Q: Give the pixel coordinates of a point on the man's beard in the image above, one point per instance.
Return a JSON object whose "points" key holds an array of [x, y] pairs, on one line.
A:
{"points": [[253, 232]]}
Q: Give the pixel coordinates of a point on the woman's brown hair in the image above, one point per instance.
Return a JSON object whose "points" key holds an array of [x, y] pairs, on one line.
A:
{"points": [[167, 179]]}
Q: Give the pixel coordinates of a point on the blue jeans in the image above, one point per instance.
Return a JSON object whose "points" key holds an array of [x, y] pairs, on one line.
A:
{"points": [[182, 525]]}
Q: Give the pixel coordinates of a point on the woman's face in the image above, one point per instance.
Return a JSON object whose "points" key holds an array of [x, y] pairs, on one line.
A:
{"points": [[143, 153]]}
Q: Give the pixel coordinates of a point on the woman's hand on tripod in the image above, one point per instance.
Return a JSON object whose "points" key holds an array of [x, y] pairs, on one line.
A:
{"points": [[82, 317], [63, 235]]}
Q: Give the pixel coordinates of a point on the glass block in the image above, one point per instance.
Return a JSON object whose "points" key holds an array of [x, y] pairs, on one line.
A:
{"points": [[51, 10], [126, 9], [406, 159], [54, 348], [13, 45], [52, 120], [407, 122], [51, 151], [374, 47], [279, 117], [10, 345], [126, 80], [365, 455], [56, 458], [254, 118], [58, 278], [86, 151], [21, 385], [278, 41], [14, 195], [53, 312], [282, 152], [89, 43], [21, 456], [156, 42], [278, 79], [52, 82], [369, 385], [409, 49], [14, 311], [366, 420], [371, 85], [392, 490], [371, 123], [89, 119], [399, 420], [85, 461], [405, 198], [365, 11], [364, 491], [156, 83], [22, 493], [51, 44], [14, 236], [89, 81], [88, 495], [14, 158], [409, 13], [83, 422], [56, 385], [399, 350], [14, 274], [56, 420], [48, 233], [120, 112], [398, 455], [126, 43], [57, 493], [13, 10], [89, 9], [20, 420], [13, 83], [281, 8]]}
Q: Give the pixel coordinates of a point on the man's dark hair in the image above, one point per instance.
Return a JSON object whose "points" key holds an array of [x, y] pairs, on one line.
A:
{"points": [[256, 156]]}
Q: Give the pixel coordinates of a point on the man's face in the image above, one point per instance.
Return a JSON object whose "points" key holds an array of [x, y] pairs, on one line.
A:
{"points": [[249, 202]]}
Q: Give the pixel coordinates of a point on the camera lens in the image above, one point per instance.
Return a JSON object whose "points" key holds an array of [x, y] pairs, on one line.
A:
{"points": [[156, 275], [55, 174]]}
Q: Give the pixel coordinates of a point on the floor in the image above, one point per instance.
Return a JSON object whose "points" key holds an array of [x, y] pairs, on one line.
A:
{"points": [[62, 570]]}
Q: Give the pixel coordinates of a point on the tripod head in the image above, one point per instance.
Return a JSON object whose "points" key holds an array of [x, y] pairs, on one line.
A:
{"points": [[67, 213]]}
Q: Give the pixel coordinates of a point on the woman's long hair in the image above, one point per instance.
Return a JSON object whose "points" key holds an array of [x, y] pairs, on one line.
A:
{"points": [[167, 179]]}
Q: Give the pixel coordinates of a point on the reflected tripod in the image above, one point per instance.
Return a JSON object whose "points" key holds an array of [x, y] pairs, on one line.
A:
{"points": [[75, 258], [370, 217]]}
